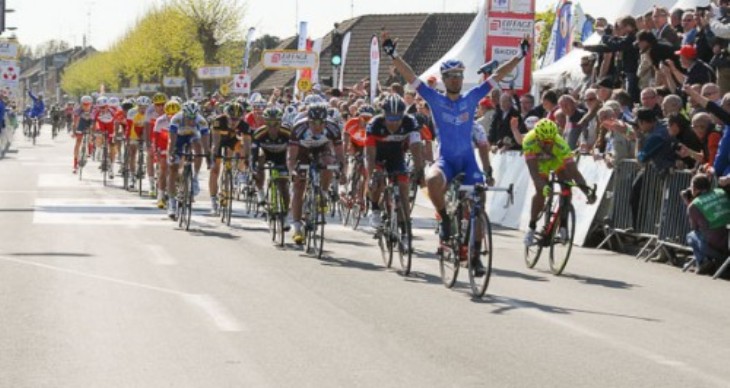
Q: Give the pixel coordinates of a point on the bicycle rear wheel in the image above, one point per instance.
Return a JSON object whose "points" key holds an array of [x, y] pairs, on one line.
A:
{"points": [[403, 238], [480, 251], [562, 242], [449, 264], [187, 198], [140, 168], [533, 252], [226, 207]]}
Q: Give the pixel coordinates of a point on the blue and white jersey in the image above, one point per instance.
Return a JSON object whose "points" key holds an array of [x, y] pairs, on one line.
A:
{"points": [[454, 120], [182, 126]]}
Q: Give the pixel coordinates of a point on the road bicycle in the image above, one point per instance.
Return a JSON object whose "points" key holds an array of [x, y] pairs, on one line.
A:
{"points": [[225, 195], [557, 228], [471, 240], [395, 234], [185, 194], [276, 209], [353, 204], [139, 174], [105, 162], [83, 153], [36, 129], [314, 206]]}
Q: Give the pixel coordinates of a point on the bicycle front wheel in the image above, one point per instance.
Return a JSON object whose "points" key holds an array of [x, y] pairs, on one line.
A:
{"points": [[480, 252], [227, 205], [449, 264], [562, 240], [186, 204]]}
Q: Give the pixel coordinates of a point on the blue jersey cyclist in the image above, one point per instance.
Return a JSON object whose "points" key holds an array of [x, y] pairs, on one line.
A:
{"points": [[38, 107], [453, 116], [186, 127]]}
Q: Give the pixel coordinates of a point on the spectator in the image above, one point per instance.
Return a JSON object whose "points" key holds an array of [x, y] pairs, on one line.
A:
{"points": [[657, 51], [709, 136], [615, 139], [672, 104], [689, 28], [720, 61], [655, 148], [708, 212], [625, 105], [662, 29], [485, 112], [550, 103], [409, 97], [650, 100], [694, 99], [684, 141], [394, 77], [397, 88], [721, 163], [675, 20], [574, 120], [649, 21], [711, 91], [500, 133], [605, 89], [587, 63], [705, 37], [698, 72], [629, 53], [527, 106], [589, 134]]}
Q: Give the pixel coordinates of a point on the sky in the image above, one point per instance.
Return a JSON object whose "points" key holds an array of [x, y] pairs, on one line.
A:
{"points": [[38, 21]]}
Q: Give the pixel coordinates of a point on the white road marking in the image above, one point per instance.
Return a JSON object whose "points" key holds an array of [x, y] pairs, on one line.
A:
{"points": [[213, 309], [158, 255], [130, 212]]}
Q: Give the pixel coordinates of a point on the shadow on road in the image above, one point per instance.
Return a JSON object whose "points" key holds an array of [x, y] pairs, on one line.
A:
{"points": [[505, 304], [609, 283], [519, 275], [422, 277], [213, 233], [351, 242], [50, 254], [332, 261], [18, 210]]}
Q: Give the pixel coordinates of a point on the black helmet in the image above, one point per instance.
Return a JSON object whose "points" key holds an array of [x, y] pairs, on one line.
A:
{"points": [[317, 112], [273, 114], [394, 105]]}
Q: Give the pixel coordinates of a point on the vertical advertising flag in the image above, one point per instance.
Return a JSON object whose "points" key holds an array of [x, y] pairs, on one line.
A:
{"points": [[247, 53], [316, 48], [508, 22], [563, 21], [345, 46], [374, 66], [301, 46]]}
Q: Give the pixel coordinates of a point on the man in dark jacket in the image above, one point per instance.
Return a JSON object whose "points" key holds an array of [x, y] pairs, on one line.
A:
{"points": [[629, 53], [500, 133]]}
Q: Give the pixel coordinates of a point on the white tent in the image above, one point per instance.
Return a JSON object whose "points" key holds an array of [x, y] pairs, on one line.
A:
{"points": [[612, 10], [470, 49], [690, 4]]}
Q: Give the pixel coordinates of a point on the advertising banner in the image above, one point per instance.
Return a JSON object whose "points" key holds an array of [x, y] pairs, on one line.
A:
{"points": [[508, 22], [214, 72]]}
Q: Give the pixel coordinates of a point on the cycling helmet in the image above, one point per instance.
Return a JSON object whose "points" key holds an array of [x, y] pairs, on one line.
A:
{"points": [[334, 114], [273, 114], [144, 101], [317, 112], [393, 105], [531, 121], [290, 115], [159, 98], [87, 100], [546, 130], [190, 109], [127, 104], [366, 110], [114, 101], [172, 107], [313, 99], [102, 101], [234, 110], [452, 65]]}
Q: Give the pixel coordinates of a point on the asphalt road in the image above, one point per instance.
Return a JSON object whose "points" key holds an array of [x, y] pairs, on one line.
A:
{"points": [[98, 288]]}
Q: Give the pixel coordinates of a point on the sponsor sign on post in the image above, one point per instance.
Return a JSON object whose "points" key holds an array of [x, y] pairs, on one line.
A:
{"points": [[198, 93], [242, 84], [173, 82], [214, 72], [508, 22], [289, 59], [8, 49], [130, 91], [148, 88]]}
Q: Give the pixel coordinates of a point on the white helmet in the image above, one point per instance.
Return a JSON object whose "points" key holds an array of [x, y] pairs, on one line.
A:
{"points": [[87, 100], [190, 109], [313, 99], [114, 101], [102, 101], [144, 101]]}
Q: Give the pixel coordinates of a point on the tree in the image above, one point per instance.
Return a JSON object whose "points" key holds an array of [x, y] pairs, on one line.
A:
{"points": [[51, 47], [216, 22], [544, 39], [266, 42]]}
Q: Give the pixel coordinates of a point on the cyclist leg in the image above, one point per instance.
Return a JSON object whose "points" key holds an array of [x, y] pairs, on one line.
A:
{"points": [[215, 171], [298, 196], [440, 173]]}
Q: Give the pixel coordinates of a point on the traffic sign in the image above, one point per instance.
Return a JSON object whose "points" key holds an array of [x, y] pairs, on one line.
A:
{"points": [[304, 85]]}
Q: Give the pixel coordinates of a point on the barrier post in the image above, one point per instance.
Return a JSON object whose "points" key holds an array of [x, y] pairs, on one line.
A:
{"points": [[620, 220]]}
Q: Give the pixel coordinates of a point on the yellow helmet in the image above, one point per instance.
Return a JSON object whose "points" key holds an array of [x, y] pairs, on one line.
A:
{"points": [[159, 98], [546, 130], [172, 107]]}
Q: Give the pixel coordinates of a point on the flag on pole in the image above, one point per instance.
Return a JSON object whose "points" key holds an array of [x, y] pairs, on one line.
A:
{"points": [[374, 67], [345, 46]]}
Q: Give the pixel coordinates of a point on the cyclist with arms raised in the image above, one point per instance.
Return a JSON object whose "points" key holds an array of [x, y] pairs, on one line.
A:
{"points": [[453, 116], [546, 151]]}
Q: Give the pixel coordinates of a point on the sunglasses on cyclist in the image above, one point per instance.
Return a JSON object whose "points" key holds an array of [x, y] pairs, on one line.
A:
{"points": [[394, 118], [453, 75], [317, 121]]}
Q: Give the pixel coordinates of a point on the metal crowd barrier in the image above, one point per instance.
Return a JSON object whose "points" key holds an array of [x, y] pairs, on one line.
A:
{"points": [[650, 207], [620, 220], [673, 225]]}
